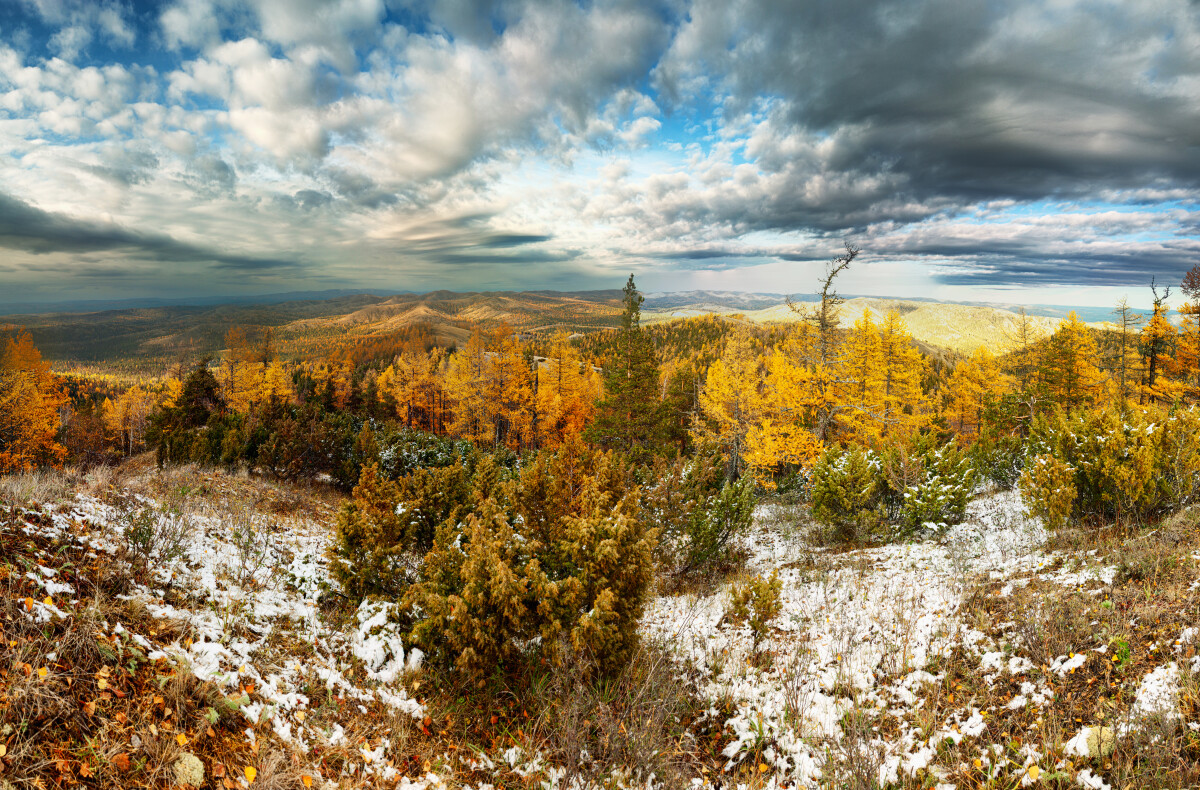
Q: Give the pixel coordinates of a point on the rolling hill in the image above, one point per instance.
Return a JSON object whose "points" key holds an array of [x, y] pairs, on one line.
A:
{"points": [[150, 339]]}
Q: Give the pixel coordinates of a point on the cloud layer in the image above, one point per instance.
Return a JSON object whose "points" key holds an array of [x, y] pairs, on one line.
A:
{"points": [[967, 146]]}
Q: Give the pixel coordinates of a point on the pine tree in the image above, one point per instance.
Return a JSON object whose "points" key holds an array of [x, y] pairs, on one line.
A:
{"points": [[630, 417]]}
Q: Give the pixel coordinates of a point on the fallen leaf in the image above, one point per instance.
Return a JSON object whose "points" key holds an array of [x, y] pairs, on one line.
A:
{"points": [[299, 715], [42, 672], [49, 601], [1034, 771], [85, 770], [306, 779], [251, 772], [219, 770], [121, 761], [3, 750], [28, 604], [181, 739], [102, 684]]}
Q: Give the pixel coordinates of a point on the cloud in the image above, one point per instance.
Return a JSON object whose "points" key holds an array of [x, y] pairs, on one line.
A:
{"points": [[30, 229], [894, 109], [962, 142]]}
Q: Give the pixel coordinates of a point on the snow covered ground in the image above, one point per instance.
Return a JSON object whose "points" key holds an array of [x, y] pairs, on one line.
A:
{"points": [[863, 641], [842, 684]]}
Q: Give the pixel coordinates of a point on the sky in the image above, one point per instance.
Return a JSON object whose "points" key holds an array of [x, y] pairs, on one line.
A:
{"points": [[1029, 152]]}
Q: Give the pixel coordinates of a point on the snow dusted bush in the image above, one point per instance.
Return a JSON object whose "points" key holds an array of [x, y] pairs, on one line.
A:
{"points": [[389, 525], [700, 518], [153, 534], [998, 458], [915, 485], [490, 597], [1048, 487], [1134, 466], [492, 568], [757, 603], [847, 488], [938, 498]]}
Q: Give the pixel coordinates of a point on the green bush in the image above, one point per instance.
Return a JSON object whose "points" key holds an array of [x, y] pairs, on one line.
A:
{"points": [[914, 486], [939, 498], [701, 519], [846, 491], [999, 458], [717, 526], [1132, 467], [495, 566], [757, 603], [1048, 488], [486, 599]]}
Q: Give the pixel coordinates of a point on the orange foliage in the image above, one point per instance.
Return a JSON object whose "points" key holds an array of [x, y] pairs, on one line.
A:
{"points": [[30, 397]]}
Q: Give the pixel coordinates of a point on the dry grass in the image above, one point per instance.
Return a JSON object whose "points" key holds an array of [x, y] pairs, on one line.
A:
{"points": [[82, 704]]}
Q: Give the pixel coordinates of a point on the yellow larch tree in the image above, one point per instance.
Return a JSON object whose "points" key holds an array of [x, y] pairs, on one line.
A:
{"points": [[566, 393], [1157, 346], [1069, 372], [30, 397], [465, 378], [903, 369], [731, 402], [128, 416], [862, 384], [509, 391], [973, 383], [791, 407]]}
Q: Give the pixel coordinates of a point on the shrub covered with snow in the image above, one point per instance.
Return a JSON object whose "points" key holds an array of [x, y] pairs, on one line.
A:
{"points": [[944, 481], [701, 518], [1048, 487], [490, 596], [492, 565], [914, 485], [1133, 466], [846, 492], [998, 458]]}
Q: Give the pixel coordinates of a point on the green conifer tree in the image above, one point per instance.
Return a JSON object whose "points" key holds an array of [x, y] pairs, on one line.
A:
{"points": [[631, 417]]}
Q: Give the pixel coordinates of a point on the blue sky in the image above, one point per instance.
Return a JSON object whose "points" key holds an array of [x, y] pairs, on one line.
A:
{"points": [[1029, 152]]}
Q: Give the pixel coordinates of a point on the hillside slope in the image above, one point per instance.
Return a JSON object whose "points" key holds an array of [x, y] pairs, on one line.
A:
{"points": [[988, 657], [962, 328]]}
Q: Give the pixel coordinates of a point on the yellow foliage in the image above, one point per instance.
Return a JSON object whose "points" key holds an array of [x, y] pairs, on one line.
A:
{"points": [[1048, 487]]}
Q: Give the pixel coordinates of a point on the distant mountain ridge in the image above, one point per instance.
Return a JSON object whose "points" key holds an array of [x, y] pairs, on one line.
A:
{"points": [[743, 300], [955, 326], [149, 337]]}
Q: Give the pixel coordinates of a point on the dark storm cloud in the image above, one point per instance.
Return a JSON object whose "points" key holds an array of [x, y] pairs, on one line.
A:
{"points": [[25, 227], [359, 188], [212, 174], [895, 109], [126, 167], [309, 199]]}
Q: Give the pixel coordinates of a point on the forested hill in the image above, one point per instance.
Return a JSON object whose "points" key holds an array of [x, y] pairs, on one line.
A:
{"points": [[958, 327], [151, 338]]}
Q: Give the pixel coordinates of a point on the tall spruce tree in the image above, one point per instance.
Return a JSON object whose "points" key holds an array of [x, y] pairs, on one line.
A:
{"points": [[631, 417]]}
